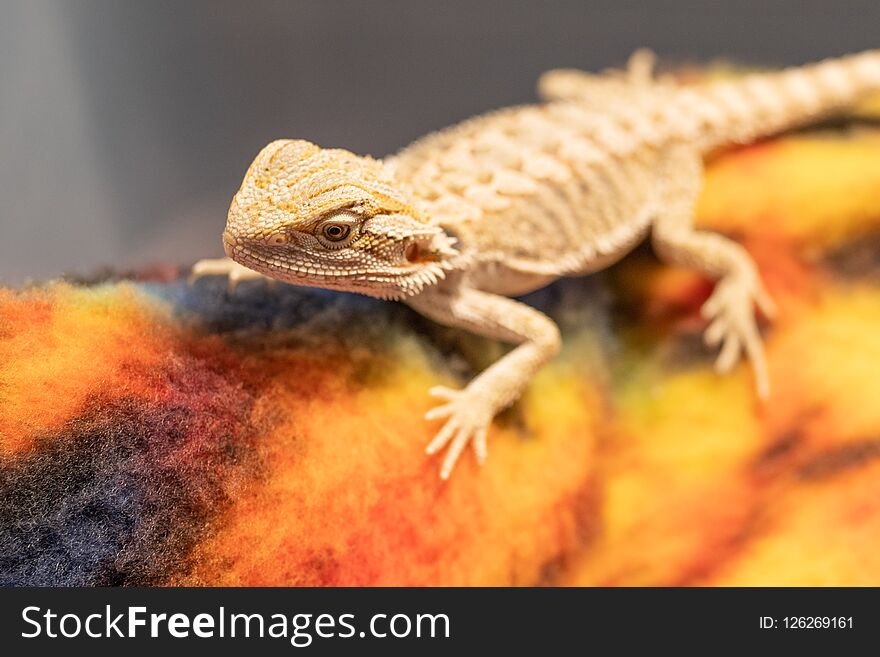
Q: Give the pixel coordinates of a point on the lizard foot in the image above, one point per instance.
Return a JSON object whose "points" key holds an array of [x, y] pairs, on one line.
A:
{"points": [[234, 272], [469, 419], [730, 310]]}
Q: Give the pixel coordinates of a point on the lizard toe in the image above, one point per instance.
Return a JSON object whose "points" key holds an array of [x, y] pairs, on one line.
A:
{"points": [[468, 419]]}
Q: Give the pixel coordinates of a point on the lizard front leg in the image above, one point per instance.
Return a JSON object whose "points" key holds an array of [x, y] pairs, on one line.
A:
{"points": [[730, 309], [469, 412], [234, 272]]}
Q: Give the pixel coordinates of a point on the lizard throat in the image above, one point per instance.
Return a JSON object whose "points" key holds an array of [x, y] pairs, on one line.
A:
{"points": [[422, 268]]}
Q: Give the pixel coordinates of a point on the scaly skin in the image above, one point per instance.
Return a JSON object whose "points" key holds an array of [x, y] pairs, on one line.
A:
{"points": [[505, 203]]}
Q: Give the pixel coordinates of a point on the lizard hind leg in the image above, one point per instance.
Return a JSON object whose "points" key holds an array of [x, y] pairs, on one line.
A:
{"points": [[637, 82], [730, 309]]}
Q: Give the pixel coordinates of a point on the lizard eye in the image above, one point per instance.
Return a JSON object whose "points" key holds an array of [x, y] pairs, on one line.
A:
{"points": [[338, 231], [335, 232]]}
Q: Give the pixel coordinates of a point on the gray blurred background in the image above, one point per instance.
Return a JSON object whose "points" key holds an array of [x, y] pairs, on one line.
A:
{"points": [[125, 127]]}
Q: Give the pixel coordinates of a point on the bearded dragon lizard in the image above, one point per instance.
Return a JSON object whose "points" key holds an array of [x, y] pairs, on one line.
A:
{"points": [[504, 203]]}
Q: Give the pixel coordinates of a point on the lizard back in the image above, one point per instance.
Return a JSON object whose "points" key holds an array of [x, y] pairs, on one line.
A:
{"points": [[547, 190], [568, 186]]}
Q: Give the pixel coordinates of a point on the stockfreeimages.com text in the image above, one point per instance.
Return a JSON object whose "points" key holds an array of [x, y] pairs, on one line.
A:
{"points": [[300, 629]]}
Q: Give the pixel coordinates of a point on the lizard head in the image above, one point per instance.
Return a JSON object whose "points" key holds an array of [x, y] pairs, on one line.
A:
{"points": [[332, 219]]}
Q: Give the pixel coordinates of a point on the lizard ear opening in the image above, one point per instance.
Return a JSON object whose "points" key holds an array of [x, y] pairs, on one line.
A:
{"points": [[419, 252], [412, 252]]}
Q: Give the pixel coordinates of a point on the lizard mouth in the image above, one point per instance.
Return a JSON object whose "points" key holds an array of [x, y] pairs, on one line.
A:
{"points": [[228, 243]]}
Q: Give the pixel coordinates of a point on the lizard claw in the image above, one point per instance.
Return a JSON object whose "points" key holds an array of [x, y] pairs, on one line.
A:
{"points": [[234, 272], [469, 419], [733, 326]]}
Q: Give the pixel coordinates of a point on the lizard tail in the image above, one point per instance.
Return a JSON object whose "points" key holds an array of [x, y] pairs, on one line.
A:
{"points": [[758, 105]]}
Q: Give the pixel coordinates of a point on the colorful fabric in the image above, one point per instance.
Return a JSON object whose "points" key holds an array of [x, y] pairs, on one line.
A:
{"points": [[153, 432]]}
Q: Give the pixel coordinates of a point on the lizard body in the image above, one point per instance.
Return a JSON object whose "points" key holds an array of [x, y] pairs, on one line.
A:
{"points": [[505, 203]]}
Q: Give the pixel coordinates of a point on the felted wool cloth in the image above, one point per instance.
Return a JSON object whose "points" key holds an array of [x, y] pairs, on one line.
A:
{"points": [[156, 432]]}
